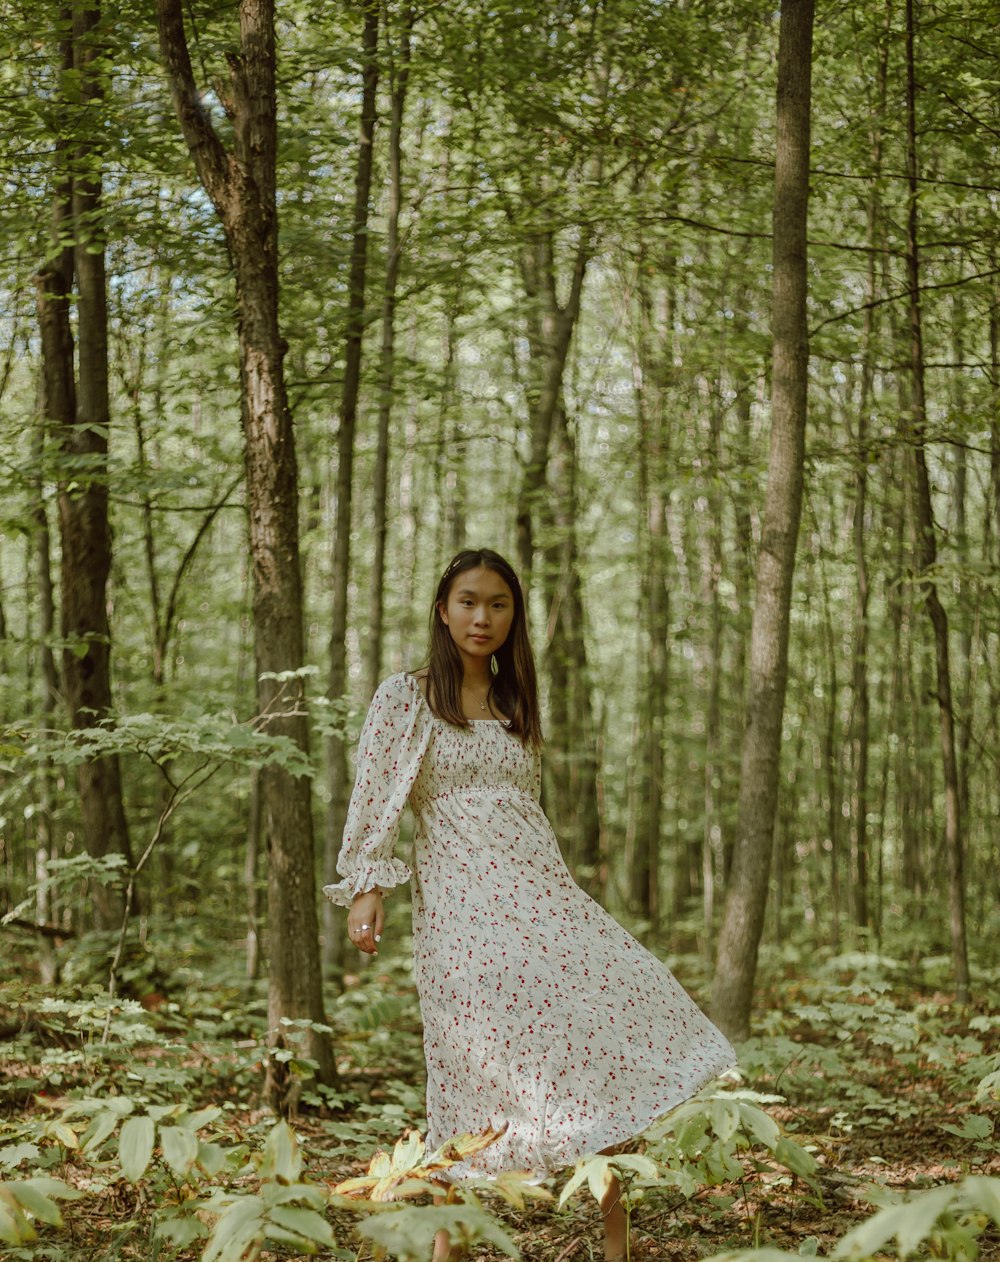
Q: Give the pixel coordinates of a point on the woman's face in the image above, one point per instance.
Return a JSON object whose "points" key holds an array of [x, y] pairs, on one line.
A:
{"points": [[479, 612]]}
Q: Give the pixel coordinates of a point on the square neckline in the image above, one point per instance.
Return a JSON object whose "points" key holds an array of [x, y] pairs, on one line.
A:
{"points": [[423, 700]]}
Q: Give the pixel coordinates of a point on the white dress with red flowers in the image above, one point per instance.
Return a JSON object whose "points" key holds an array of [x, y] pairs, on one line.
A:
{"points": [[540, 1012]]}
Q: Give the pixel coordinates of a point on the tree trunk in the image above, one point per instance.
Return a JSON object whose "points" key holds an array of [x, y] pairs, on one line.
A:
{"points": [[860, 722], [78, 414], [713, 568], [400, 71], [338, 771], [651, 372], [44, 840], [571, 764], [250, 887], [746, 896], [241, 185], [927, 552], [745, 385], [550, 333]]}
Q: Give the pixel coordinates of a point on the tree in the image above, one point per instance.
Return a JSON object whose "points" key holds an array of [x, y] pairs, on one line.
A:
{"points": [[927, 547], [337, 771], [77, 410], [241, 183], [746, 896]]}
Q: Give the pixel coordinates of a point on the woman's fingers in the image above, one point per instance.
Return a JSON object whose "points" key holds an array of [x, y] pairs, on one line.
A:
{"points": [[366, 934]]}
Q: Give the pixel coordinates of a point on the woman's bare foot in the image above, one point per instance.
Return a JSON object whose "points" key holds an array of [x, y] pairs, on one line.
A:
{"points": [[615, 1224]]}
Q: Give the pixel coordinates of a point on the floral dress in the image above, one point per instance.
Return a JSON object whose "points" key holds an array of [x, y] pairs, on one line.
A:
{"points": [[541, 1014]]}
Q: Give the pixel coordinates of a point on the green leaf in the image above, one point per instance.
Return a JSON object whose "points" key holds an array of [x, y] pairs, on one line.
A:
{"points": [[925, 1209], [760, 1125], [14, 1227], [975, 1126], [725, 1119], [180, 1148], [795, 1158], [195, 1121], [283, 1193], [909, 1222], [982, 1193], [51, 1187], [101, 1126], [14, 1154], [988, 1087], [239, 1227], [211, 1158], [304, 1222], [179, 1229], [135, 1146], [408, 1233], [35, 1202], [282, 1159]]}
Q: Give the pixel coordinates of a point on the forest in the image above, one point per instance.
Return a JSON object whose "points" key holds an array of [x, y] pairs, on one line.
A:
{"points": [[689, 308]]}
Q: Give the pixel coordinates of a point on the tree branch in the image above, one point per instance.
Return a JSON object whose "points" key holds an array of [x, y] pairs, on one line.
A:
{"points": [[207, 151]]}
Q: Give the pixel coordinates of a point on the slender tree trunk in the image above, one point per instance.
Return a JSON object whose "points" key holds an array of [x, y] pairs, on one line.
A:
{"points": [[861, 702], [338, 771], [831, 751], [968, 633], [571, 764], [44, 837], [241, 185], [652, 372], [746, 896], [380, 494], [711, 840], [250, 887], [550, 333], [743, 569], [927, 552]]}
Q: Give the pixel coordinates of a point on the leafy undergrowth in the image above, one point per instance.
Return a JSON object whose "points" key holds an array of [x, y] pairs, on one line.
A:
{"points": [[134, 1130]]}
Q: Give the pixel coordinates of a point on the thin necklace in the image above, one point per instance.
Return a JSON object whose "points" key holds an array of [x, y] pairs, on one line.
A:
{"points": [[481, 700]]}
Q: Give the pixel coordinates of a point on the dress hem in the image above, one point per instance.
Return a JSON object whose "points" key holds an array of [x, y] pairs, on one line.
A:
{"points": [[595, 1143]]}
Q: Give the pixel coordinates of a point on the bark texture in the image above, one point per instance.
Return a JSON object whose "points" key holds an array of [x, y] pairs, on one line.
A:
{"points": [[746, 895], [77, 411], [241, 185]]}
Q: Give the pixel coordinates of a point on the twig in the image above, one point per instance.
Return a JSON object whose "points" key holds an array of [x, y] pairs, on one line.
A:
{"points": [[179, 793]]}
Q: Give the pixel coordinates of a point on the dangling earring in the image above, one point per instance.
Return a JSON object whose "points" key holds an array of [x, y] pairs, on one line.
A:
{"points": [[494, 664]]}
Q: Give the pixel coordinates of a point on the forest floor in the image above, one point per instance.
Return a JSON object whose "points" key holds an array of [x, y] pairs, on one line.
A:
{"points": [[888, 1083]]}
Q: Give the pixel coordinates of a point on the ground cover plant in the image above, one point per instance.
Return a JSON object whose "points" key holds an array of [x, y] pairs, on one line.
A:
{"points": [[864, 1124]]}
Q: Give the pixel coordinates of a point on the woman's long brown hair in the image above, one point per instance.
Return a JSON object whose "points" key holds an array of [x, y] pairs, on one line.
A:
{"points": [[515, 686]]}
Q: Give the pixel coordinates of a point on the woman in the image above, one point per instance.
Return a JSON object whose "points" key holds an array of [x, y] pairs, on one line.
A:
{"points": [[541, 1014]]}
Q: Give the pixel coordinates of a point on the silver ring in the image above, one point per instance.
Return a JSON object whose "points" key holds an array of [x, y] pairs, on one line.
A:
{"points": [[364, 927]]}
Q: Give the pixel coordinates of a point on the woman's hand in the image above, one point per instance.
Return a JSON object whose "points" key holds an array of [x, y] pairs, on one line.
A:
{"points": [[365, 921]]}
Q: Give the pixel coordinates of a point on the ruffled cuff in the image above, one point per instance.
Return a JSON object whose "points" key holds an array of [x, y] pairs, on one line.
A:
{"points": [[383, 875]]}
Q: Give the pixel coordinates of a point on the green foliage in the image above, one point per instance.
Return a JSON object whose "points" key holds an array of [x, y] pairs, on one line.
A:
{"points": [[25, 1201], [599, 1173], [947, 1218], [947, 1221], [703, 1142], [284, 1210], [408, 1233]]}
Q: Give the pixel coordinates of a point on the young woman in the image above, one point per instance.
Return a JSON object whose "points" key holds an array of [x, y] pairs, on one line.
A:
{"points": [[541, 1014]]}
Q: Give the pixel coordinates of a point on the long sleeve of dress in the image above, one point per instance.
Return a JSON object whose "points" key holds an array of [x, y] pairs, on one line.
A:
{"points": [[393, 742]]}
